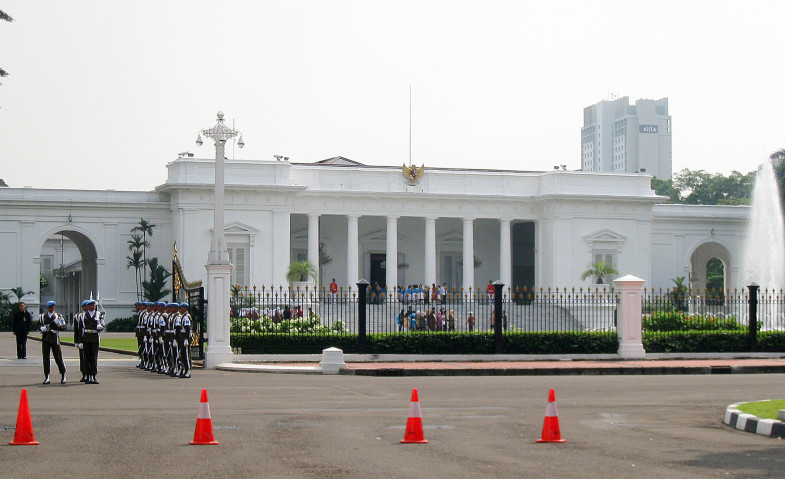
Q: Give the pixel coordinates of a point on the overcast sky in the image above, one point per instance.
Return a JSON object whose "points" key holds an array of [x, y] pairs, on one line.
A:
{"points": [[103, 94]]}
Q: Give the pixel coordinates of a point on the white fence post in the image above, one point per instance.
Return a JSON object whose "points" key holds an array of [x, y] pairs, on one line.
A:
{"points": [[629, 317]]}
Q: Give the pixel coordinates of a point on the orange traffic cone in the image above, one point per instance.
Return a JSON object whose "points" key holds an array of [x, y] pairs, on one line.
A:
{"points": [[24, 425], [550, 429], [204, 425], [414, 432]]}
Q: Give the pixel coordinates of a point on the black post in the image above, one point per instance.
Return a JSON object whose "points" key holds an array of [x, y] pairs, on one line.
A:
{"points": [[362, 305], [498, 288], [753, 288]]}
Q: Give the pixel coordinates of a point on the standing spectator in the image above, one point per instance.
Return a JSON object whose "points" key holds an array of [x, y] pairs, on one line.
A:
{"points": [[333, 290], [490, 291], [22, 322], [440, 320], [451, 321], [431, 319], [412, 320], [492, 320], [434, 293], [470, 321], [401, 320], [504, 319], [443, 293]]}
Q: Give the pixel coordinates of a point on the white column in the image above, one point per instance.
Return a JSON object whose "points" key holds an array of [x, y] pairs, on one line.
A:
{"points": [[629, 317], [505, 253], [352, 251], [430, 251], [281, 248], [219, 272], [468, 255], [218, 349], [391, 256], [313, 241]]}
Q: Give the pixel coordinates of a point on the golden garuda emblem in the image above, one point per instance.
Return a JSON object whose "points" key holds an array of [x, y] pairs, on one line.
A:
{"points": [[413, 173]]}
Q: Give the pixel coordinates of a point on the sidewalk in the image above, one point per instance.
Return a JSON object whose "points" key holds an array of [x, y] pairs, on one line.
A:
{"points": [[410, 366]]}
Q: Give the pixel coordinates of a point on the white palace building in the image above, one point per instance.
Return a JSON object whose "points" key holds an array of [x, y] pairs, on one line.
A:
{"points": [[456, 226]]}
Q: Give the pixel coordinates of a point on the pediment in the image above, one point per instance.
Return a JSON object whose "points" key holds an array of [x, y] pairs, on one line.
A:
{"points": [[237, 228], [604, 236]]}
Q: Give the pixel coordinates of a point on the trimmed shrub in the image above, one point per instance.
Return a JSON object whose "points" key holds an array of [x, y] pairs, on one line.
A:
{"points": [[122, 325], [711, 342], [679, 321], [431, 343]]}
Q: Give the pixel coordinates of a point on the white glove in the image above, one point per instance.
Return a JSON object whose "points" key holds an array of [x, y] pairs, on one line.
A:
{"points": [[79, 345], [99, 327], [42, 329]]}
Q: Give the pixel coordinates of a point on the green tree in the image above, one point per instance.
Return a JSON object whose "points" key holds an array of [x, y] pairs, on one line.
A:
{"points": [[19, 292], [145, 228], [155, 288], [136, 262], [7, 18], [679, 294], [600, 270], [703, 188], [665, 188], [300, 271]]}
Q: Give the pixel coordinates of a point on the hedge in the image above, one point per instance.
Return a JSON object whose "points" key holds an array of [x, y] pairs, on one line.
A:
{"points": [[431, 343], [712, 342], [122, 325]]}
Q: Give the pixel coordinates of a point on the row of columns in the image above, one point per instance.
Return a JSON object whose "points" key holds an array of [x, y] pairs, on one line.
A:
{"points": [[391, 253]]}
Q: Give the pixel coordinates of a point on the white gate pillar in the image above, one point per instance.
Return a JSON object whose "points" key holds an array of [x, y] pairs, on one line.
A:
{"points": [[629, 327]]}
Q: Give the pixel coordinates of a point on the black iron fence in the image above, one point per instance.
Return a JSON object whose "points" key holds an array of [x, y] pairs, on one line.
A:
{"points": [[733, 320], [287, 311]]}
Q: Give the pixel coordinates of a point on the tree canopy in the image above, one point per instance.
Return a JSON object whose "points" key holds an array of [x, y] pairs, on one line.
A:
{"points": [[700, 187], [7, 18]]}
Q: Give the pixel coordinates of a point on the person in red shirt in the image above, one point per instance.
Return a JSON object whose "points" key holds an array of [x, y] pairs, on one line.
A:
{"points": [[489, 291], [333, 290]]}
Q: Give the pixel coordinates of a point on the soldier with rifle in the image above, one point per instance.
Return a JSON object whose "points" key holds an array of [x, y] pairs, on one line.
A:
{"points": [[50, 324]]}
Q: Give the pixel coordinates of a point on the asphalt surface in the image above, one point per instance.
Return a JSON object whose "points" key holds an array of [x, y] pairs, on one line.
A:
{"points": [[138, 424]]}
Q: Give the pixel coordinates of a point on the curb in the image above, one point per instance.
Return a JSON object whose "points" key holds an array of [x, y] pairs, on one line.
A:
{"points": [[100, 348], [749, 423], [608, 371]]}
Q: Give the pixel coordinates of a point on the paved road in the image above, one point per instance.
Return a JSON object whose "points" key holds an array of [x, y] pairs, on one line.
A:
{"points": [[138, 424]]}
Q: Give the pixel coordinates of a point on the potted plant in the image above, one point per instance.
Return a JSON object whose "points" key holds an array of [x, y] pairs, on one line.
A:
{"points": [[599, 270], [299, 274]]}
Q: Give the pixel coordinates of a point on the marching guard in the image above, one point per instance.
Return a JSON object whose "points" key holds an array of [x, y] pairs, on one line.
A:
{"points": [[91, 325], [183, 343], [140, 313], [78, 340], [169, 339], [50, 325]]}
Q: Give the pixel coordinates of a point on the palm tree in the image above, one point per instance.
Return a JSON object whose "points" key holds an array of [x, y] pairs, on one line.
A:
{"points": [[599, 270], [300, 271], [136, 262], [7, 18], [679, 293], [146, 228], [155, 289], [19, 292]]}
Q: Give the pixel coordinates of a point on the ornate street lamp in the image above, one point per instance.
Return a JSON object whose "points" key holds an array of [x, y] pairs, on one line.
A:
{"points": [[220, 133], [219, 269]]}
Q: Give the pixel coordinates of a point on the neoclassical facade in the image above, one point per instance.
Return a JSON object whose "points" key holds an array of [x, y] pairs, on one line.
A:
{"points": [[455, 226]]}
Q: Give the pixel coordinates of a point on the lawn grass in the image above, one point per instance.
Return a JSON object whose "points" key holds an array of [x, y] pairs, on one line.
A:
{"points": [[126, 344], [763, 409]]}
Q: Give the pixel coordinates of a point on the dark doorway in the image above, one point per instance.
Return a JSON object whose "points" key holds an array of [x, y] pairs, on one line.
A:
{"points": [[523, 256], [378, 270]]}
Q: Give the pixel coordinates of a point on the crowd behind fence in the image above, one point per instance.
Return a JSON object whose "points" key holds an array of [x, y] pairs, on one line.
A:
{"points": [[305, 311]]}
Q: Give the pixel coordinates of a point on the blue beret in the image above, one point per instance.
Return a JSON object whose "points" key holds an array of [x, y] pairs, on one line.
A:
{"points": [[184, 305], [50, 303], [84, 303], [90, 301], [172, 305], [160, 303]]}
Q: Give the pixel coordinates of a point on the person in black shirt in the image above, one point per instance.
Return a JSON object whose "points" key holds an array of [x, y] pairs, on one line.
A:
{"points": [[22, 322]]}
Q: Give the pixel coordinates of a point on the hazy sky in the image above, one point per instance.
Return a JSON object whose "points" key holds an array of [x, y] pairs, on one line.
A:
{"points": [[103, 94]]}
